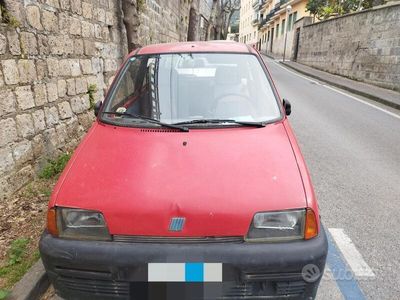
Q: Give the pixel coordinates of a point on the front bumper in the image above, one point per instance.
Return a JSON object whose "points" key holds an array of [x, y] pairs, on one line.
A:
{"points": [[116, 270]]}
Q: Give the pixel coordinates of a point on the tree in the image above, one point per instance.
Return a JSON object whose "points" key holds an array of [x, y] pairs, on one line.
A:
{"points": [[220, 19], [229, 7], [324, 9], [211, 30], [131, 20], [193, 30]]}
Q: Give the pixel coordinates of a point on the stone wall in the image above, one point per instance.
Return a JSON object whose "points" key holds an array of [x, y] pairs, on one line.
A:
{"points": [[163, 21], [51, 52], [364, 46]]}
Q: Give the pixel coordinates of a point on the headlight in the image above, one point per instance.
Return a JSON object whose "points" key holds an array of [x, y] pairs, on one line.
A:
{"points": [[277, 226], [80, 224]]}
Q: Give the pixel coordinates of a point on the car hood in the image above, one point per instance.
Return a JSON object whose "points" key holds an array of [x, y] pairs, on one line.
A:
{"points": [[215, 178]]}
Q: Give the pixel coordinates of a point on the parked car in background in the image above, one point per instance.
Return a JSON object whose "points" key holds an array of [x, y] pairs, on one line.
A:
{"points": [[234, 37], [189, 185]]}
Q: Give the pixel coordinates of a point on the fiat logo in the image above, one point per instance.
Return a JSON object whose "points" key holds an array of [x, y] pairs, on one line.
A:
{"points": [[176, 224]]}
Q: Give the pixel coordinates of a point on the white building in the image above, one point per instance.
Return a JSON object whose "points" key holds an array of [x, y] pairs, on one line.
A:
{"points": [[249, 21]]}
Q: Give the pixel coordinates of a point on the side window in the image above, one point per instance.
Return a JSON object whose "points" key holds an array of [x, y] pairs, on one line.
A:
{"points": [[126, 86]]}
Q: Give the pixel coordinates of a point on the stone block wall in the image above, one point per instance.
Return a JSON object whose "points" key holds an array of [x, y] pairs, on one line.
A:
{"points": [[163, 21], [50, 53], [364, 46]]}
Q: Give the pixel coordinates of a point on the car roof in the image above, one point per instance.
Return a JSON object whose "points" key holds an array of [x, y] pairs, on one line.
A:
{"points": [[185, 47]]}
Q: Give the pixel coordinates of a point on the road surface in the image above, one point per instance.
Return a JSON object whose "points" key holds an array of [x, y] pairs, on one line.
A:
{"points": [[352, 149]]}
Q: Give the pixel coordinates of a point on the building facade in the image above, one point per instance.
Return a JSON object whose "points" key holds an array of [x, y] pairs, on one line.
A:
{"points": [[273, 20], [249, 19], [276, 26]]}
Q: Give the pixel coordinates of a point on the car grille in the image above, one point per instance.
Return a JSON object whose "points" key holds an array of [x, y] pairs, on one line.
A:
{"points": [[290, 288], [176, 240], [95, 287]]}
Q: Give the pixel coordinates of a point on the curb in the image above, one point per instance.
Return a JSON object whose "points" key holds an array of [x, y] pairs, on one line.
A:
{"points": [[347, 88], [33, 285]]}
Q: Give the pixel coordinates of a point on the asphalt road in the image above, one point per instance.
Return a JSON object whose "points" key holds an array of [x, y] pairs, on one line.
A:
{"points": [[353, 152]]}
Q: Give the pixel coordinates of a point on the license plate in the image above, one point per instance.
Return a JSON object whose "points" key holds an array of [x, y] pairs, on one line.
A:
{"points": [[184, 272]]}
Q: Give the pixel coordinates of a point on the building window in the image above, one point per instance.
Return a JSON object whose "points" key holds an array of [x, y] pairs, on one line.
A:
{"points": [[277, 31], [283, 26], [290, 24], [294, 17]]}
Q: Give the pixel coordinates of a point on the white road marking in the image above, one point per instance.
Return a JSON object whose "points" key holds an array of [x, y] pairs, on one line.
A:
{"points": [[350, 253], [339, 91]]}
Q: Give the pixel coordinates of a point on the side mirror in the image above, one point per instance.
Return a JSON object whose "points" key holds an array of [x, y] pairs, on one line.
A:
{"points": [[97, 107], [287, 106]]}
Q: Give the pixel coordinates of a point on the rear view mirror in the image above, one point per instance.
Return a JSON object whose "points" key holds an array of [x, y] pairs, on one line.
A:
{"points": [[287, 106], [97, 107]]}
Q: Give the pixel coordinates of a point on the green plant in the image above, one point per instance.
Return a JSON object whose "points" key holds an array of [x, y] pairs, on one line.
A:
{"points": [[92, 89], [55, 167], [46, 192], [17, 250], [9, 18], [141, 5], [324, 9], [19, 262], [3, 294]]}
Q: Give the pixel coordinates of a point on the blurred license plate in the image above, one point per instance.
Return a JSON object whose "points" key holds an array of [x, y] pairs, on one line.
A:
{"points": [[184, 272]]}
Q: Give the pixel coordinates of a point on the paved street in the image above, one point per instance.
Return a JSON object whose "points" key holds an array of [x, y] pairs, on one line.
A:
{"points": [[353, 153]]}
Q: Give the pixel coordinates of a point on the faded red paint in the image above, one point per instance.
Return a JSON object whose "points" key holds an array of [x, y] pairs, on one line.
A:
{"points": [[218, 180]]}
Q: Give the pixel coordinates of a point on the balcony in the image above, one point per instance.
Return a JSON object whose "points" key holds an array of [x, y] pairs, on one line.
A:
{"points": [[266, 19], [279, 4], [257, 4], [263, 22], [255, 20]]}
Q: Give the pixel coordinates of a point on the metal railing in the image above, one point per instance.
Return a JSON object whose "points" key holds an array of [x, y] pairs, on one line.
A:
{"points": [[255, 20], [258, 3]]}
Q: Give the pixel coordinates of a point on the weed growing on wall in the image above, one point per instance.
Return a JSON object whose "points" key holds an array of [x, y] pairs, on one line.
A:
{"points": [[55, 167], [9, 18], [92, 89]]}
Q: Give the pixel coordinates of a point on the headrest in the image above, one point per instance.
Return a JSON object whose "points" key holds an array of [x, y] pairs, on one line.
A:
{"points": [[227, 75], [193, 63]]}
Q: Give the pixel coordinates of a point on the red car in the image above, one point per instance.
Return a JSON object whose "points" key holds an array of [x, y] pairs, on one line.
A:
{"points": [[189, 185]]}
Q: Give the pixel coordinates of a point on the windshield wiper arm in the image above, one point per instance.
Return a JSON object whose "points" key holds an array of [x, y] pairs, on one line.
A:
{"points": [[218, 121], [155, 121]]}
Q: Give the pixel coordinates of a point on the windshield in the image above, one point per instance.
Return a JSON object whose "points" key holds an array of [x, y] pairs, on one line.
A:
{"points": [[179, 88]]}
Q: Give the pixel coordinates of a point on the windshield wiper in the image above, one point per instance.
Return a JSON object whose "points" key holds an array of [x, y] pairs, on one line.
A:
{"points": [[219, 121], [151, 120]]}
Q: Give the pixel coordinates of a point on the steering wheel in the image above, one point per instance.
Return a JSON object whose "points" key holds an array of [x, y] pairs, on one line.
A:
{"points": [[246, 99]]}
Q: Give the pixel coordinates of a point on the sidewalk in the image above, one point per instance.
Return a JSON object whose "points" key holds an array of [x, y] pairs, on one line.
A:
{"points": [[384, 96]]}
